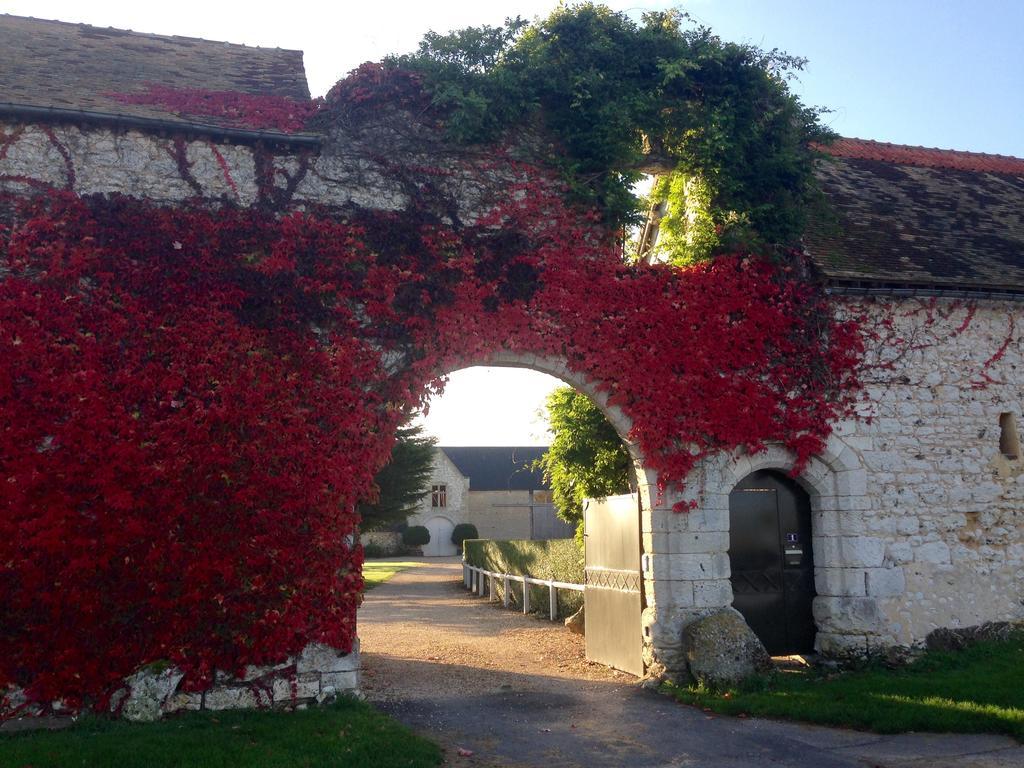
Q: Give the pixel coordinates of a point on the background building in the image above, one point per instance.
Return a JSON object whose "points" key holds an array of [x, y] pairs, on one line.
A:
{"points": [[494, 488]]}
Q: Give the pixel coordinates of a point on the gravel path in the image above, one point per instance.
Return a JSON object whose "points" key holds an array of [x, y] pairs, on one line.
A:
{"points": [[517, 691]]}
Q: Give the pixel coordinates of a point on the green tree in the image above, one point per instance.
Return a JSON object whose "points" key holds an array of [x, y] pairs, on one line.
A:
{"points": [[402, 482], [586, 459], [620, 98]]}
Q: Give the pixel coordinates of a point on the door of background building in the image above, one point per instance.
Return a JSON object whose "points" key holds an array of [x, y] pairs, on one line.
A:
{"points": [[440, 544]]}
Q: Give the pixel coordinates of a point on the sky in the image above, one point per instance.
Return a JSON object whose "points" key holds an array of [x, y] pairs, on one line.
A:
{"points": [[936, 73]]}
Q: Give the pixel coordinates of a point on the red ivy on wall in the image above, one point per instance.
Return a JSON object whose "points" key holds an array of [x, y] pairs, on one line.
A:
{"points": [[231, 108], [368, 87], [193, 400]]}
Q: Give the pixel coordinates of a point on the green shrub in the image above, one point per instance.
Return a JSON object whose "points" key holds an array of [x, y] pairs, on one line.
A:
{"points": [[372, 550], [556, 559], [415, 536], [462, 532]]}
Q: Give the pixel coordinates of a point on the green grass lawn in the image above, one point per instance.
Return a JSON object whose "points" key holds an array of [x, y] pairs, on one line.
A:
{"points": [[348, 733], [377, 572], [978, 690]]}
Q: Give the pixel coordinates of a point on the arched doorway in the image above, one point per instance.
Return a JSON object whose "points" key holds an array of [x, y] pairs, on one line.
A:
{"points": [[623, 623], [440, 544], [771, 560]]}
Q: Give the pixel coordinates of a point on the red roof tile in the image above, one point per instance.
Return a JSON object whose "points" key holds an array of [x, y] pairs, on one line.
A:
{"points": [[924, 157], [912, 215], [55, 64]]}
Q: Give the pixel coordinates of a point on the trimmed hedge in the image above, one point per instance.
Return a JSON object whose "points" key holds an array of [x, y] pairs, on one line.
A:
{"points": [[462, 532], [415, 536], [557, 559]]}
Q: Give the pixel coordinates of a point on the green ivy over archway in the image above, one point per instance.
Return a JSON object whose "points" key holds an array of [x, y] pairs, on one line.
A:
{"points": [[618, 98]]}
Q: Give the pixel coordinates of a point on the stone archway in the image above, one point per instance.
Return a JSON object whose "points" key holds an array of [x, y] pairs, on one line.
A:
{"points": [[685, 554], [363, 175], [646, 478]]}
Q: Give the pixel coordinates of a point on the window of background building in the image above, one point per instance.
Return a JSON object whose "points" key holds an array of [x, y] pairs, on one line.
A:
{"points": [[439, 496]]}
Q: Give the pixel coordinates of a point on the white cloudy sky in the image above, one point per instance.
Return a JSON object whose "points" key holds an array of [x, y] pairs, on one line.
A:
{"points": [[944, 74]]}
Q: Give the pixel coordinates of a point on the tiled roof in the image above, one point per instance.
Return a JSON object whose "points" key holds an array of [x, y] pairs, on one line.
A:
{"points": [[54, 64], [902, 215], [922, 217], [501, 468], [925, 157]]}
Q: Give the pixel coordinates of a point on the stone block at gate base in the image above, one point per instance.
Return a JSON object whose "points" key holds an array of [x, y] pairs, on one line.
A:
{"points": [[231, 697], [183, 702], [722, 650], [885, 582], [853, 615], [148, 691], [714, 593], [340, 682], [836, 646], [318, 674], [317, 657], [296, 689]]}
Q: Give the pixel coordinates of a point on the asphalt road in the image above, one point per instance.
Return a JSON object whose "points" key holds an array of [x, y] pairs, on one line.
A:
{"points": [[517, 691]]}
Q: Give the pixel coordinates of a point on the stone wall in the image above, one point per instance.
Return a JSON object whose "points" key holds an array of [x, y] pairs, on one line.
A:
{"points": [[388, 542], [167, 169], [344, 171], [318, 674], [98, 160], [946, 507], [501, 514], [170, 170], [917, 517]]}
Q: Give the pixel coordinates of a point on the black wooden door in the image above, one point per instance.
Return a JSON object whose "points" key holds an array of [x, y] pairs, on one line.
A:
{"points": [[772, 562]]}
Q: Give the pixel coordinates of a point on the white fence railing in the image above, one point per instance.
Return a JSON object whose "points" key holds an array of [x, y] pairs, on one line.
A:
{"points": [[480, 581]]}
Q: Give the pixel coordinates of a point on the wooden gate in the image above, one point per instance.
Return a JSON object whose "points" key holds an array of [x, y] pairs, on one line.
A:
{"points": [[612, 582]]}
